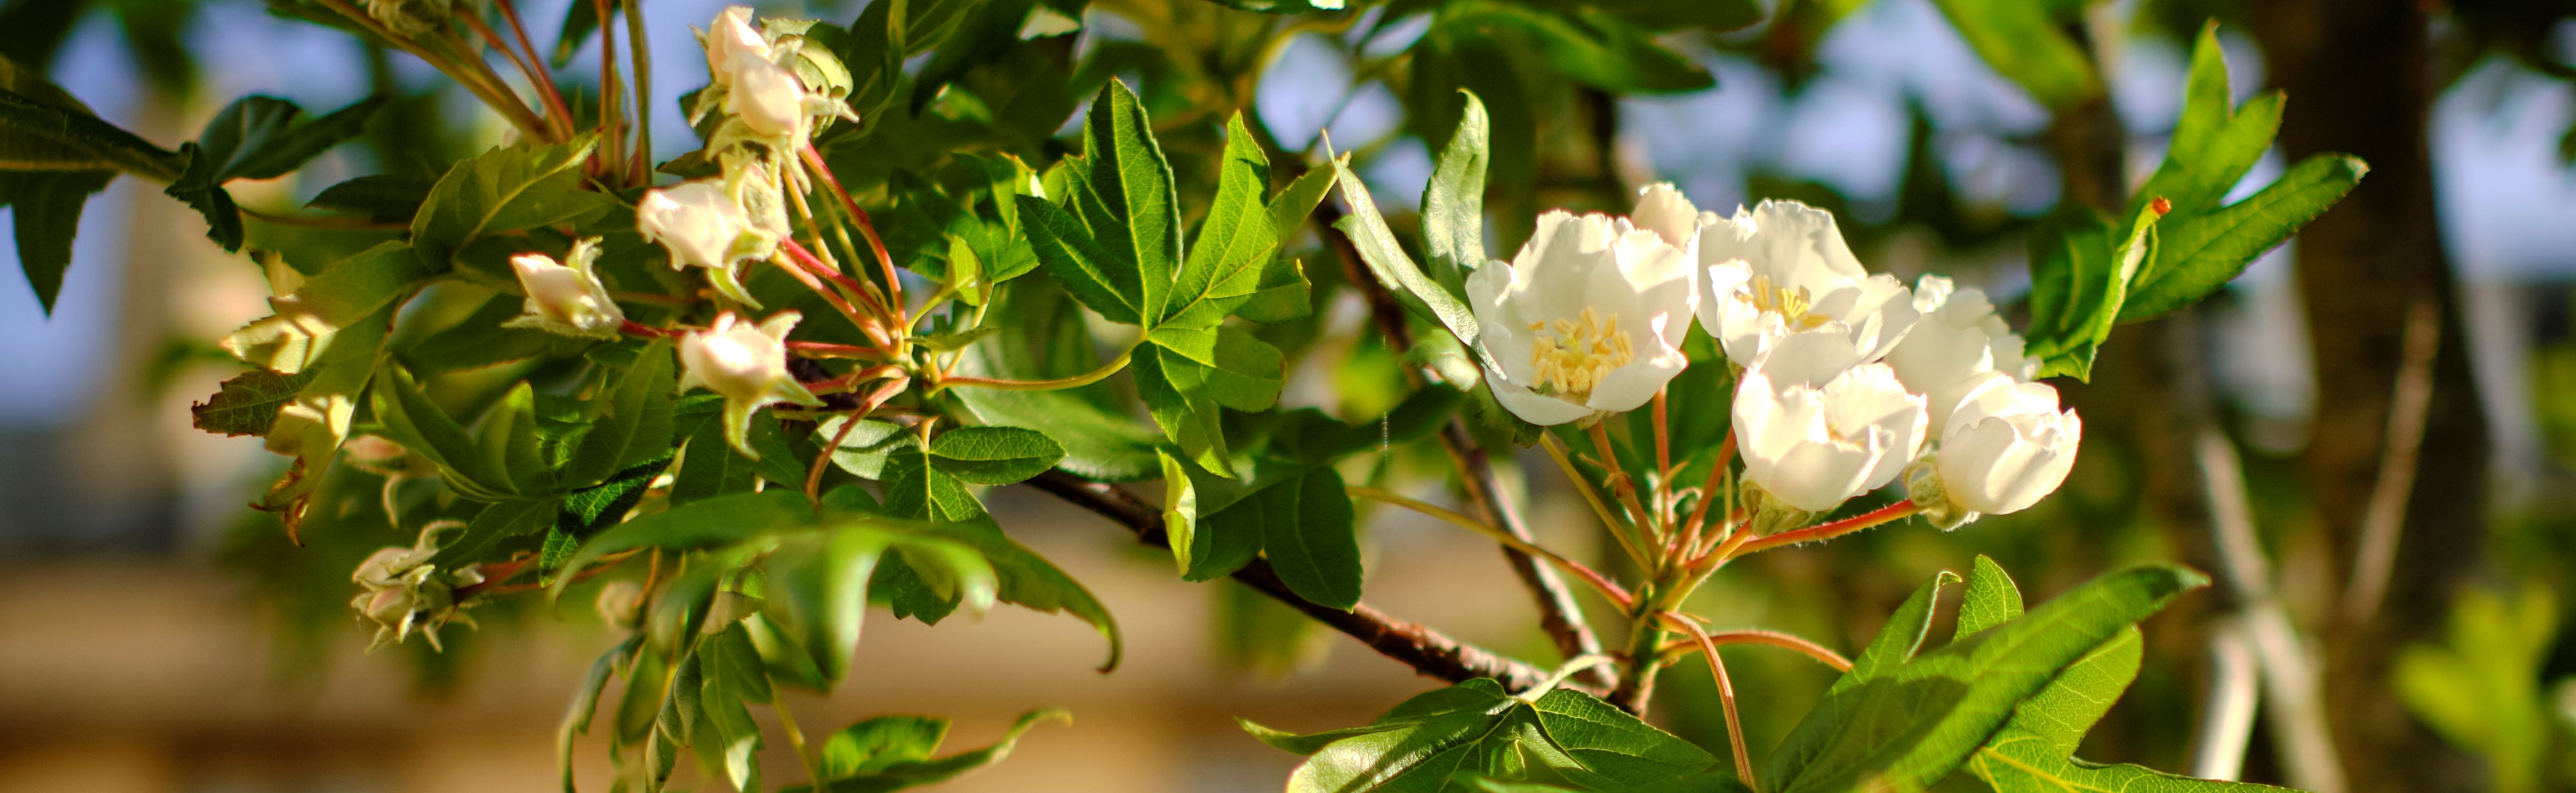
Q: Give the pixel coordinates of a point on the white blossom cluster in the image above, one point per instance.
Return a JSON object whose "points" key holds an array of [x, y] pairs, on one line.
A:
{"points": [[1848, 380]]}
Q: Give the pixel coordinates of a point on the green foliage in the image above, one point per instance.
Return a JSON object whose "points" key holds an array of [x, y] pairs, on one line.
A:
{"points": [[1115, 244], [256, 137], [506, 189], [248, 403], [2204, 245], [893, 752], [2023, 41], [2481, 689], [1906, 720], [1559, 736]]}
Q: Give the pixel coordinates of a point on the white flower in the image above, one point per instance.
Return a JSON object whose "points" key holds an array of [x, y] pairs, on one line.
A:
{"points": [[702, 226], [730, 37], [1958, 338], [768, 99], [2006, 446], [1666, 212], [747, 365], [1816, 428], [1587, 319], [1783, 269], [563, 299]]}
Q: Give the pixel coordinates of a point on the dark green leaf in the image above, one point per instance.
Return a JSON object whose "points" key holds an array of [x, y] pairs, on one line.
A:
{"points": [[2215, 141], [1588, 45], [264, 137], [637, 424], [482, 340], [703, 524], [382, 198], [42, 128], [1395, 270], [2080, 279], [410, 419], [709, 467], [45, 214], [881, 741], [248, 403], [1281, 6], [495, 523], [994, 455], [1474, 726], [504, 189], [590, 509], [581, 19], [919, 487], [585, 702], [1453, 205]]}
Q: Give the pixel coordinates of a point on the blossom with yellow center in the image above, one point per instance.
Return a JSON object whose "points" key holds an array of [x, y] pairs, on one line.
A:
{"points": [[1587, 319], [1782, 269]]}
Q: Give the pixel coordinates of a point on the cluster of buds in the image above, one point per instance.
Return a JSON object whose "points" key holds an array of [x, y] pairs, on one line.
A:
{"points": [[1849, 379], [403, 592], [772, 89]]}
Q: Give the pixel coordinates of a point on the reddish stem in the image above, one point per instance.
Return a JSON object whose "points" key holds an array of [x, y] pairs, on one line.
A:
{"points": [[1772, 638], [1826, 531], [825, 349], [633, 328], [867, 228]]}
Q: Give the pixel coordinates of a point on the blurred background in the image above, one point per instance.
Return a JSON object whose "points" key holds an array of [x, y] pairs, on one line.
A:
{"points": [[2406, 369]]}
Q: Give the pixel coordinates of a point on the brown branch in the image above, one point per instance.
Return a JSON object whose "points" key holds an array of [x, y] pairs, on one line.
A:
{"points": [[1430, 652], [1559, 614], [2408, 410]]}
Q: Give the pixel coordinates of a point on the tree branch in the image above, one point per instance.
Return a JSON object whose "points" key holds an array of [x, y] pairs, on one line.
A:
{"points": [[1558, 613], [1430, 652]]}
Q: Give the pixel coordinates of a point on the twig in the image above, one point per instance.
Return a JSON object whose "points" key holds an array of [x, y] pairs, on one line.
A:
{"points": [[2385, 516], [867, 228], [1592, 496], [2299, 730], [1773, 638], [1826, 531], [1725, 697], [1429, 652], [2227, 716], [536, 66], [1599, 582], [1057, 384]]}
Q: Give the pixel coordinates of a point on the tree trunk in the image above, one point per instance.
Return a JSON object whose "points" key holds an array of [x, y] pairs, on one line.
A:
{"points": [[2359, 81]]}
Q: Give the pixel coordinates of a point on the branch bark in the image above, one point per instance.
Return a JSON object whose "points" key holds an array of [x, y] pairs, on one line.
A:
{"points": [[1430, 652]]}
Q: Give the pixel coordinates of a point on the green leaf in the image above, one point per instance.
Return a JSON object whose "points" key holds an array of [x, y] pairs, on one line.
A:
{"points": [[1306, 531], [585, 703], [591, 509], [2079, 283], [482, 339], [343, 366], [247, 403], [1907, 726], [2480, 688], [919, 486], [878, 742], [1419, 745], [505, 189], [903, 774], [1396, 271], [381, 198], [1236, 242], [637, 425], [42, 128], [581, 19], [2201, 254], [1281, 6], [818, 581], [1453, 206], [703, 524], [2023, 42], [1675, 14], [1186, 374], [994, 455], [1586, 44], [709, 467], [44, 216], [1120, 203], [2031, 753], [1991, 600], [409, 418], [2215, 141], [256, 137], [1046, 340], [495, 523], [1294, 203]]}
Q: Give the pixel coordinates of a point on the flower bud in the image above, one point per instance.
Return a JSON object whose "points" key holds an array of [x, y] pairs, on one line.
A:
{"points": [[2006, 446], [702, 226], [731, 37], [621, 604], [1958, 338], [767, 98], [747, 365], [566, 300]]}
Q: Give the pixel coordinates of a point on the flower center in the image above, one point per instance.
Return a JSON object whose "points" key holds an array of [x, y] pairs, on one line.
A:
{"points": [[1792, 305], [1573, 355]]}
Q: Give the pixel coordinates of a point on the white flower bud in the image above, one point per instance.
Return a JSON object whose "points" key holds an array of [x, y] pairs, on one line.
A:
{"points": [[1816, 430], [729, 37], [1783, 269], [747, 365], [1587, 319], [1959, 338], [768, 99], [2006, 446], [702, 226], [567, 300]]}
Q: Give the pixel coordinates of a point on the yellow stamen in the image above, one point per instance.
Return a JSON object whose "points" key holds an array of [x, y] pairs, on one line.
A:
{"points": [[1581, 351], [1792, 305]]}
